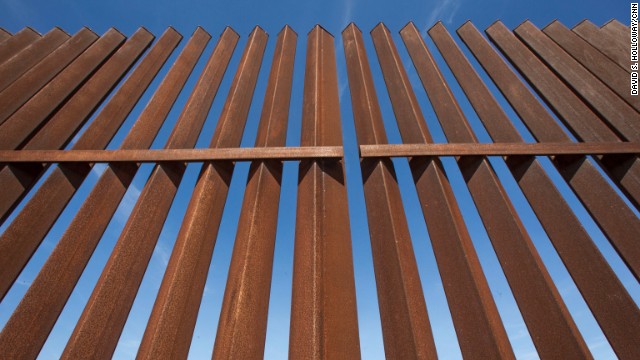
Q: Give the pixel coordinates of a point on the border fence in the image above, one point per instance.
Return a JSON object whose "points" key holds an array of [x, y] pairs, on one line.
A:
{"points": [[569, 87]]}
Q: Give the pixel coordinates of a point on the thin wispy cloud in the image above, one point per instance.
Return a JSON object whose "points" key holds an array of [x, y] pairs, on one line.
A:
{"points": [[163, 254], [445, 10]]}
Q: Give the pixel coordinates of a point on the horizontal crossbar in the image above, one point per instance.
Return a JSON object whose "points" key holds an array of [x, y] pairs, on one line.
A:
{"points": [[501, 149], [298, 153], [164, 155]]}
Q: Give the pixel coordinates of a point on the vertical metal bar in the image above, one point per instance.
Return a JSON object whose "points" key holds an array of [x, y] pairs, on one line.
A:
{"points": [[62, 125], [4, 35], [39, 309], [617, 113], [324, 322], [19, 126], [468, 294], [576, 115], [175, 311], [21, 90], [600, 65], [598, 284], [618, 31], [113, 296], [601, 41], [551, 327], [16, 43], [243, 319], [609, 211], [41, 211], [29, 228], [57, 131], [13, 68]]}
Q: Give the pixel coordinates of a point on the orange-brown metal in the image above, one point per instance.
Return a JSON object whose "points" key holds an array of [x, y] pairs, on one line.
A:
{"points": [[28, 229], [605, 43], [53, 285], [592, 59], [118, 284], [607, 105], [69, 117], [467, 290], [174, 314], [4, 35], [324, 322], [594, 277], [17, 65], [21, 90], [16, 43], [243, 317], [50, 86], [617, 32], [550, 325], [611, 213]]}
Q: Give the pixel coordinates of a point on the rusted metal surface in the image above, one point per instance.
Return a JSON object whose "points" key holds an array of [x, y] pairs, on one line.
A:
{"points": [[618, 31], [16, 43], [617, 113], [199, 155], [4, 35], [69, 117], [118, 284], [51, 85], [400, 296], [298, 153], [610, 212], [502, 149], [594, 277], [174, 314], [581, 120], [54, 283], [467, 290], [324, 322], [17, 65], [606, 44], [21, 90], [551, 327], [596, 62], [38, 215], [19, 126], [78, 243], [243, 317]]}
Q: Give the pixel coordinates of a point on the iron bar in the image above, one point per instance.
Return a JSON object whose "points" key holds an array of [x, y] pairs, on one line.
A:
{"points": [[594, 277], [113, 296], [551, 327], [4, 35], [40, 212], [13, 68], [41, 306], [611, 108], [176, 307], [468, 294], [617, 31], [324, 323], [21, 90], [67, 120], [597, 63], [16, 43], [610, 212], [603, 42], [25, 121]]}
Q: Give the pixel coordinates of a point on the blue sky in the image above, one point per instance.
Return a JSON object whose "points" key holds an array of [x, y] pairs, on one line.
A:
{"points": [[243, 15]]}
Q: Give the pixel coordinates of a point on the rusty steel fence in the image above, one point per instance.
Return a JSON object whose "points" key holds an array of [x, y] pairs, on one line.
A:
{"points": [[64, 98]]}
